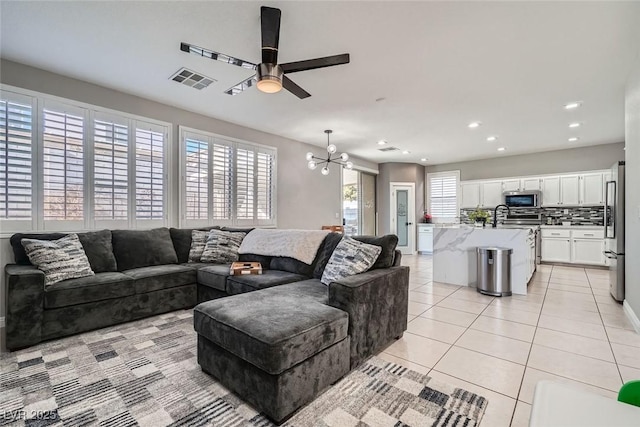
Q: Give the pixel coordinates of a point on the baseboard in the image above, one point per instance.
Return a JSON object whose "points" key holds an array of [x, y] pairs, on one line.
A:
{"points": [[633, 318]]}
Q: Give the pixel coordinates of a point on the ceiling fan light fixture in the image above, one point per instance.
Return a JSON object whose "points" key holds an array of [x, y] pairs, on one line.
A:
{"points": [[269, 78]]}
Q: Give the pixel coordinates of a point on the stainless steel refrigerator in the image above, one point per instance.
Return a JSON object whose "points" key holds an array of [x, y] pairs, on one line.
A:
{"points": [[614, 230]]}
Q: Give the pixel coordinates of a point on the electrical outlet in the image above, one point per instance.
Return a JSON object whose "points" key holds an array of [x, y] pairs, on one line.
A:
{"points": [[337, 215]]}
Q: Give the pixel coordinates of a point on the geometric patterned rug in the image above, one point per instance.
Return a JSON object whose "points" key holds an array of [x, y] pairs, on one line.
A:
{"points": [[145, 373]]}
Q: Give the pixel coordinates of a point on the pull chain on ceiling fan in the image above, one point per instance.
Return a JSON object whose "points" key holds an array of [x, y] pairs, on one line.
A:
{"points": [[270, 76]]}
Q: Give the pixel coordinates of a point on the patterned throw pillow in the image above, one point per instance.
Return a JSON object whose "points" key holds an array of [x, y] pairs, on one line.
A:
{"points": [[349, 257], [222, 247], [60, 259], [198, 242]]}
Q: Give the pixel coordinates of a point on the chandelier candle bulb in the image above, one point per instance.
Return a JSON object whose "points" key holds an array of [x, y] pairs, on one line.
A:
{"points": [[309, 155], [312, 165], [332, 148], [325, 171], [349, 165], [344, 157]]}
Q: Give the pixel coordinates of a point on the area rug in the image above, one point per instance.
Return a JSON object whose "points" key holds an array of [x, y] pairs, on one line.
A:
{"points": [[145, 373]]}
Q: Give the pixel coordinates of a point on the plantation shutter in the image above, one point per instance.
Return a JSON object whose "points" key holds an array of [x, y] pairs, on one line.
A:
{"points": [[111, 175], [443, 202], [197, 178], [16, 159], [63, 166], [149, 173], [265, 186], [222, 181], [245, 181]]}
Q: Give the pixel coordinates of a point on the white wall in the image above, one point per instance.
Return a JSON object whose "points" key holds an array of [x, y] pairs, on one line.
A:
{"points": [[632, 193], [306, 199], [560, 161]]}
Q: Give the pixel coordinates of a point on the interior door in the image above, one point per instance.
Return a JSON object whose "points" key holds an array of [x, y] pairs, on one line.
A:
{"points": [[403, 216]]}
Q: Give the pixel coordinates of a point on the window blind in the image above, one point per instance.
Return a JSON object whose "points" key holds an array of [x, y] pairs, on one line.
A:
{"points": [[264, 186], [16, 156], [111, 180], [63, 174], [149, 174], [443, 202], [197, 179], [221, 180], [245, 180]]}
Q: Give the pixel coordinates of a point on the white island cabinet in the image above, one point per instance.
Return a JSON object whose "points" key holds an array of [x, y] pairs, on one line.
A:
{"points": [[455, 259]]}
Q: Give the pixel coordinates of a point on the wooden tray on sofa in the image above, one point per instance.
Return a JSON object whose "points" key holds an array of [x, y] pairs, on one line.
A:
{"points": [[238, 268]]}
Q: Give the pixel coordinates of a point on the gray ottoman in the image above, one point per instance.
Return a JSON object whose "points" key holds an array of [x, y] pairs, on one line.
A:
{"points": [[276, 351]]}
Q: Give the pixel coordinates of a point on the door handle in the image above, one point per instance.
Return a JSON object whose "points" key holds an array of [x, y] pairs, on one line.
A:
{"points": [[408, 223]]}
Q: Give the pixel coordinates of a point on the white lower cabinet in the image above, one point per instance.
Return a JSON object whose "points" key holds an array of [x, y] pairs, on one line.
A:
{"points": [[556, 249], [573, 246], [587, 251]]}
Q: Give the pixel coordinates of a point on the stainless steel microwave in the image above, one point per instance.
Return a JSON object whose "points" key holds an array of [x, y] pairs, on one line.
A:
{"points": [[522, 199]]}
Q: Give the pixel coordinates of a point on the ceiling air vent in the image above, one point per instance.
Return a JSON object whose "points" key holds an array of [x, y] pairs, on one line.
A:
{"points": [[191, 79], [385, 149]]}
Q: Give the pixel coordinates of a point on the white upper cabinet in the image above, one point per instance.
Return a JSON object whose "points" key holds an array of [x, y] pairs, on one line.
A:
{"points": [[530, 184], [592, 189], [470, 194], [551, 191], [570, 190], [511, 185], [491, 194]]}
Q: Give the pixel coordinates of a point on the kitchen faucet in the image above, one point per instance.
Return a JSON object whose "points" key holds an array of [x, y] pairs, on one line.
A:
{"points": [[495, 214]]}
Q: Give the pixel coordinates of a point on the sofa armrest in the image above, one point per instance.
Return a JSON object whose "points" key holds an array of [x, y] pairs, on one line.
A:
{"points": [[377, 303], [397, 258], [25, 305]]}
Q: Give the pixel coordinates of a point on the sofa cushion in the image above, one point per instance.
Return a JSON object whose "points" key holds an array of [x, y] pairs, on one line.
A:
{"points": [[214, 277], [60, 259], [324, 253], [349, 258], [198, 265], [222, 247], [181, 238], [388, 244], [253, 282], [292, 266], [143, 248], [97, 246], [311, 289], [274, 332], [102, 286], [148, 279]]}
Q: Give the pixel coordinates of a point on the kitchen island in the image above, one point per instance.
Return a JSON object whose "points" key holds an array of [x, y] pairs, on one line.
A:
{"points": [[454, 253]]}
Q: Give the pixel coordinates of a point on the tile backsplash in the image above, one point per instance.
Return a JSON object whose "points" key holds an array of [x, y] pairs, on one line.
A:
{"points": [[583, 215]]}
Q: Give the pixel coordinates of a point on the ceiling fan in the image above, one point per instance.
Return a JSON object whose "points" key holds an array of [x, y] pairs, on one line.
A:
{"points": [[270, 76]]}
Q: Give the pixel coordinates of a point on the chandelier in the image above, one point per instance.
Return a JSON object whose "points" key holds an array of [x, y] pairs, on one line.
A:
{"points": [[342, 160]]}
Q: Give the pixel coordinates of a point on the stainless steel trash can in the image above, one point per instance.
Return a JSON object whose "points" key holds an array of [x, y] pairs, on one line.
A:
{"points": [[494, 271]]}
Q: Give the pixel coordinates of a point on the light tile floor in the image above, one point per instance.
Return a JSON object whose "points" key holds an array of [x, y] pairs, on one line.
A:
{"points": [[568, 328]]}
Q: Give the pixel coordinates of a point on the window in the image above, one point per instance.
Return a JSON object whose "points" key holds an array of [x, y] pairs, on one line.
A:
{"points": [[16, 156], [71, 166], [63, 164], [226, 182], [442, 195]]}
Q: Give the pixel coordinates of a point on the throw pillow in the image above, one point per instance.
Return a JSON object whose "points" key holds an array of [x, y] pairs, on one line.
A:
{"points": [[349, 257], [60, 259], [198, 242], [222, 247]]}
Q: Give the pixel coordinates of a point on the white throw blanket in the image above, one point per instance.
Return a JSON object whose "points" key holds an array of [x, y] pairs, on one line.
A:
{"points": [[298, 244]]}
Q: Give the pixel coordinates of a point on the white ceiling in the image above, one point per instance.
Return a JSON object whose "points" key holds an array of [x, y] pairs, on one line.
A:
{"points": [[439, 66]]}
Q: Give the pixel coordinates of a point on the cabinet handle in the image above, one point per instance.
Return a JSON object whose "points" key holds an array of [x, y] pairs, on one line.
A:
{"points": [[555, 234], [588, 234]]}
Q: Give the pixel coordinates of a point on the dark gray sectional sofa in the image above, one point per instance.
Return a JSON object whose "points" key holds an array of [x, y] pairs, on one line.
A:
{"points": [[277, 339]]}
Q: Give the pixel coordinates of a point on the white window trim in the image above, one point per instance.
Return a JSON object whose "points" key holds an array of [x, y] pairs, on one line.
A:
{"points": [[436, 175], [235, 143], [39, 101]]}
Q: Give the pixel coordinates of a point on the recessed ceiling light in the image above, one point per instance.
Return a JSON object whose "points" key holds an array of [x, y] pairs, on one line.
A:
{"points": [[572, 105], [406, 152], [501, 149], [474, 125], [575, 125], [424, 159], [573, 139], [382, 142], [492, 138]]}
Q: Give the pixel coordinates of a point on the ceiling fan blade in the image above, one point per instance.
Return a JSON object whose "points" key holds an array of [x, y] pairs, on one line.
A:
{"points": [[216, 56], [242, 86], [312, 64], [289, 85], [270, 23]]}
